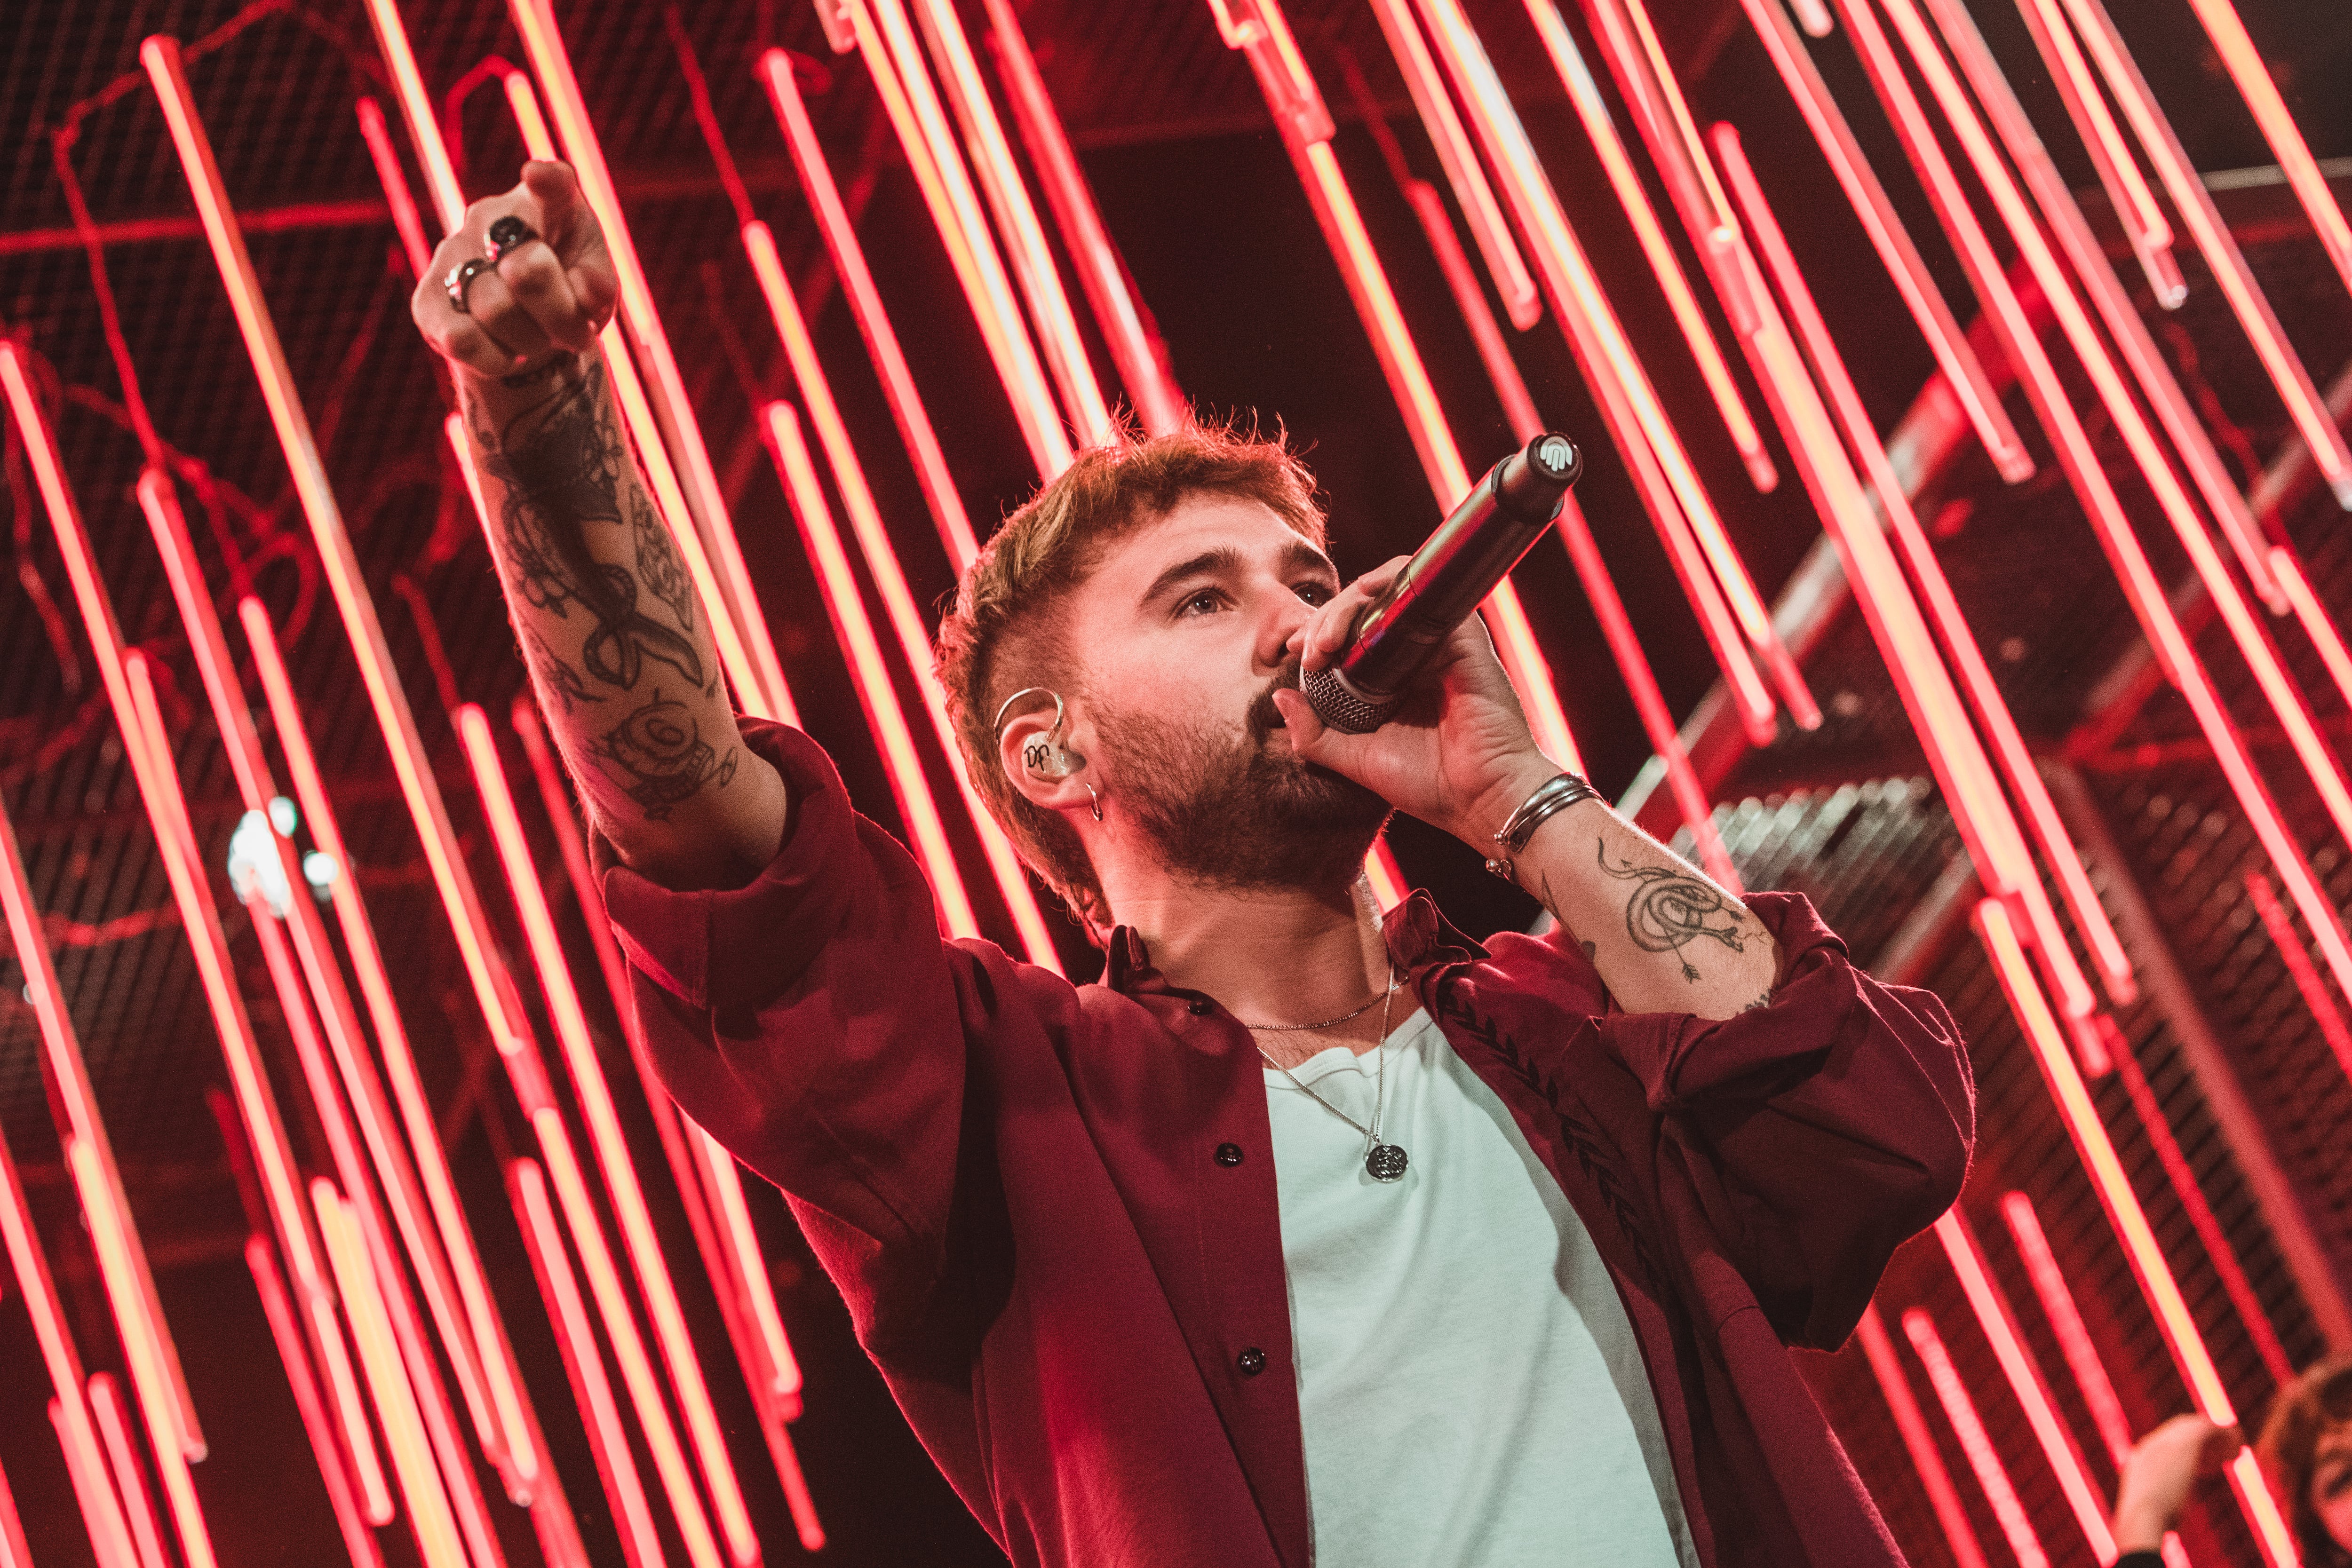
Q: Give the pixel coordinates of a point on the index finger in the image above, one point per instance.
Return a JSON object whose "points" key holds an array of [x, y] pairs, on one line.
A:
{"points": [[1328, 632]]}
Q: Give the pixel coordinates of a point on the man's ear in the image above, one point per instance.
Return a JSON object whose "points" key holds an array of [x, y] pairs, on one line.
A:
{"points": [[1031, 752]]}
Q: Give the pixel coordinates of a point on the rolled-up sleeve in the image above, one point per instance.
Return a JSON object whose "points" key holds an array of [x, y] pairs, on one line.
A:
{"points": [[813, 1021], [1822, 1129]]}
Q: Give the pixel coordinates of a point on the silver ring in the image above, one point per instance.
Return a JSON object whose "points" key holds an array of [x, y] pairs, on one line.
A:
{"points": [[461, 278]]}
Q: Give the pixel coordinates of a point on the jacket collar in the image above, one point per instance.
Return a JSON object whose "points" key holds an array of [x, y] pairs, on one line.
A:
{"points": [[1416, 933]]}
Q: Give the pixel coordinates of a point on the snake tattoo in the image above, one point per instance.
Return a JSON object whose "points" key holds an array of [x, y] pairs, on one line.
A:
{"points": [[1671, 909]]}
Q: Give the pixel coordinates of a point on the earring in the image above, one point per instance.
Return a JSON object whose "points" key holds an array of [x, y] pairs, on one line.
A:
{"points": [[1097, 801], [1045, 756]]}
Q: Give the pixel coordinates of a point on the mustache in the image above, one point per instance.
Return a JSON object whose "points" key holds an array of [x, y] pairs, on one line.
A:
{"points": [[1264, 718]]}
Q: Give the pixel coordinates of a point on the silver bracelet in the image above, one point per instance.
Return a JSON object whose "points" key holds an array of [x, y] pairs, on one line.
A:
{"points": [[1557, 794]]}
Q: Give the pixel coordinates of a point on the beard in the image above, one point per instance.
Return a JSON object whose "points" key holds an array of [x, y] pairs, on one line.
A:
{"points": [[1232, 811]]}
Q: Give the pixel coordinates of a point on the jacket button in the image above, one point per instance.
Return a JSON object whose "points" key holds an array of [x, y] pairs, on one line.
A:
{"points": [[1229, 1155], [1252, 1362], [1198, 1007]]}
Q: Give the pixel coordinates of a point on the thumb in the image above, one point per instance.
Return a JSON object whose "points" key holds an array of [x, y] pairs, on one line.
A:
{"points": [[1311, 740], [569, 223], [557, 190]]}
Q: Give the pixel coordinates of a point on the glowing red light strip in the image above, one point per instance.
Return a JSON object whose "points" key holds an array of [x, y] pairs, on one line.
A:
{"points": [[164, 1439], [1134, 348], [367, 1108], [93, 1486], [440, 175], [2040, 379], [405, 220], [895, 62], [1016, 221], [868, 672], [776, 70], [520, 1443], [2066, 1323], [1963, 372], [396, 1402], [1961, 1411], [1992, 712], [2195, 203], [318, 1424], [2316, 625], [1489, 230], [615, 1463], [103, 1201], [2253, 643], [2245, 66], [890, 581], [535, 20], [605, 1133], [1652, 453], [2151, 369], [14, 1550], [2026, 1381], [123, 1458], [2324, 1010], [1942, 1496], [1624, 179]]}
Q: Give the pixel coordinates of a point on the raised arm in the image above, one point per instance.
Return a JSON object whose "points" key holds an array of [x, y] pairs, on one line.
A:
{"points": [[621, 651]]}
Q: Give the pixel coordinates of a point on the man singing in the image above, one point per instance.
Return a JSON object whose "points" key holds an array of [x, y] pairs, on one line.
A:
{"points": [[1307, 1235]]}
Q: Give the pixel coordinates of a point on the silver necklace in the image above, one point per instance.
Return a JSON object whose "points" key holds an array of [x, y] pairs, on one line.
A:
{"points": [[1383, 1162]]}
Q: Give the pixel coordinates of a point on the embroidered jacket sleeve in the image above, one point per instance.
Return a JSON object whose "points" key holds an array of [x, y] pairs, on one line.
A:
{"points": [[815, 1023], [1819, 1131]]}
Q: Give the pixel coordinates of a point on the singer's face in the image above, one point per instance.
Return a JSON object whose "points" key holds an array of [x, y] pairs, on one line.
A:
{"points": [[1184, 629]]}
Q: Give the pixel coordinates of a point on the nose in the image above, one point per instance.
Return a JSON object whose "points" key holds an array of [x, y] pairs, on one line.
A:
{"points": [[1287, 614]]}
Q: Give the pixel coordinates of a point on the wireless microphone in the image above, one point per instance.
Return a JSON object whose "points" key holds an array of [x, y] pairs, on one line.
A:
{"points": [[1472, 551]]}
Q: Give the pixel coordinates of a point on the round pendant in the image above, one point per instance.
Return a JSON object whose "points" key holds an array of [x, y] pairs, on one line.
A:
{"points": [[1386, 1162]]}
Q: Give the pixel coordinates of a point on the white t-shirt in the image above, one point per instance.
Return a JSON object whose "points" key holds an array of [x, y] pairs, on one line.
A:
{"points": [[1471, 1390]]}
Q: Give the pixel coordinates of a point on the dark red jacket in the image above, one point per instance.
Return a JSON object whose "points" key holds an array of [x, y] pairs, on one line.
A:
{"points": [[1016, 1184]]}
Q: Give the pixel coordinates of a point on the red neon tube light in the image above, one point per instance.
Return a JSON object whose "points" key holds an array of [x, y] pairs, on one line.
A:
{"points": [[616, 1465], [1016, 220], [868, 670], [2245, 67], [123, 1458], [1942, 1495], [396, 1402], [2026, 1381], [1626, 181], [2065, 1318], [890, 581], [14, 1552], [2316, 625], [2324, 1011], [2008, 746], [2195, 203], [1983, 1459], [1963, 372], [1654, 454], [2286, 702], [141, 1316], [109, 1536], [1489, 228], [895, 62], [318, 1424], [405, 220], [535, 19], [440, 175], [1135, 348], [605, 1136], [775, 71]]}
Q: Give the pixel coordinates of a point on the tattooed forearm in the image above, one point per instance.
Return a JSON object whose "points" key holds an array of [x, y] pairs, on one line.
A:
{"points": [[659, 757], [1763, 999], [1672, 908], [557, 678]]}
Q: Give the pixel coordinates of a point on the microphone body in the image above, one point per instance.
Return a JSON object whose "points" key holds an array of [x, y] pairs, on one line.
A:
{"points": [[1472, 551]]}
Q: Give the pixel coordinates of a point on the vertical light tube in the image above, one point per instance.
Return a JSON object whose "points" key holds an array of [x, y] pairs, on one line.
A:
{"points": [[2066, 1323], [2287, 571], [606, 1137], [890, 581], [1635, 198], [1983, 1459], [1135, 348], [1942, 1496], [14, 1550], [535, 20], [2314, 990], [1964, 373], [2026, 1381], [123, 1458], [2058, 851], [93, 1485], [931, 476], [1729, 609], [396, 1402], [868, 670], [640, 1543], [416, 105], [318, 1421], [1016, 221], [893, 59], [406, 221], [2195, 205], [2245, 67]]}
